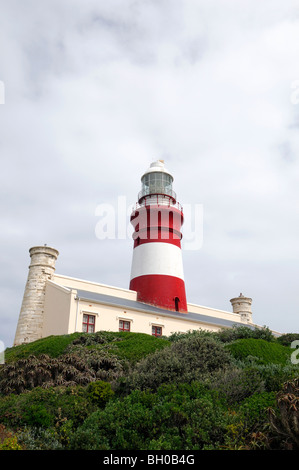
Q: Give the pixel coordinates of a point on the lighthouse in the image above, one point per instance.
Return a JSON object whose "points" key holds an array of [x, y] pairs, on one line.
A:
{"points": [[157, 268]]}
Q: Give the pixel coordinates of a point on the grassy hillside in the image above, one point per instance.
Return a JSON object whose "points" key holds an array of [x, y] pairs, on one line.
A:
{"points": [[54, 346], [264, 352], [106, 390], [125, 345]]}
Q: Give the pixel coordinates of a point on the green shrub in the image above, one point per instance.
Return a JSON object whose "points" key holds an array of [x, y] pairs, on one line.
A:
{"points": [[177, 417], [99, 393], [46, 407], [249, 423], [37, 415], [123, 345], [8, 440], [40, 439], [237, 384], [275, 375], [264, 351], [135, 347], [185, 360], [10, 443], [91, 339], [254, 410], [197, 390], [52, 346], [228, 335], [288, 338], [199, 333]]}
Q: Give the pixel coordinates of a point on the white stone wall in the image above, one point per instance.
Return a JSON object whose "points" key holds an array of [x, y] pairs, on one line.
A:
{"points": [[57, 309], [242, 306], [42, 268]]}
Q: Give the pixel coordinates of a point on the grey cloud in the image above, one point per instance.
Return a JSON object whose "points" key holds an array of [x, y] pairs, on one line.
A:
{"points": [[96, 90]]}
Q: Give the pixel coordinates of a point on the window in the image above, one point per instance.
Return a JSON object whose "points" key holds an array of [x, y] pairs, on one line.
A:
{"points": [[176, 304], [124, 325], [157, 183], [88, 323], [156, 330]]}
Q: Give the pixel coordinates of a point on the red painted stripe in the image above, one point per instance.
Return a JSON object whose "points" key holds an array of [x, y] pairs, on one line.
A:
{"points": [[157, 216], [161, 291], [157, 223], [155, 235]]}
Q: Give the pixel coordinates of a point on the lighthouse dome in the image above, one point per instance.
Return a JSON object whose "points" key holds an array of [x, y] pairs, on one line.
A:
{"points": [[157, 166]]}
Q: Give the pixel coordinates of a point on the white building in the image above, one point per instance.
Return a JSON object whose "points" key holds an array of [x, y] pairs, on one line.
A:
{"points": [[55, 304]]}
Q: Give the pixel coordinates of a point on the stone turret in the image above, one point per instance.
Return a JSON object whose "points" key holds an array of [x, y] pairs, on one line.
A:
{"points": [[242, 306], [42, 268]]}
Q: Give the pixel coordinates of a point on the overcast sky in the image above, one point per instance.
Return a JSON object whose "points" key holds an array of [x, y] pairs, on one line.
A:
{"points": [[95, 90]]}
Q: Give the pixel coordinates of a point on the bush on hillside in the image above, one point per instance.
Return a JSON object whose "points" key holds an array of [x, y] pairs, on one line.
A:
{"points": [[183, 416], [99, 393], [237, 384], [197, 390], [38, 438], [52, 346], [202, 333], [103, 364], [42, 407], [228, 335], [79, 367], [288, 338], [8, 440], [264, 352], [45, 371], [275, 375], [185, 360], [254, 410], [122, 344], [285, 422]]}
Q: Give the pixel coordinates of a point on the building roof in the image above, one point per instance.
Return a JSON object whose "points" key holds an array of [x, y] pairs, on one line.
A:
{"points": [[126, 303]]}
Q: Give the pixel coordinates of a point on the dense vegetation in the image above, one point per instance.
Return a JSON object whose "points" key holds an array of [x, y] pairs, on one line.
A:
{"points": [[235, 389]]}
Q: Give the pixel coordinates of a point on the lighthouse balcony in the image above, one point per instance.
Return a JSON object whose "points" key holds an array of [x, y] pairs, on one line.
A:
{"points": [[158, 200]]}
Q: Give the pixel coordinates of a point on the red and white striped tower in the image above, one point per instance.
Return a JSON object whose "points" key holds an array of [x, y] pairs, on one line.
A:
{"points": [[157, 267]]}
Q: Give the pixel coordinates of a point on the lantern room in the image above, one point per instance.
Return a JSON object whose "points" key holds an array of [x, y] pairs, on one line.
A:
{"points": [[157, 181]]}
